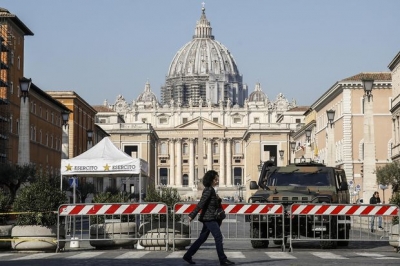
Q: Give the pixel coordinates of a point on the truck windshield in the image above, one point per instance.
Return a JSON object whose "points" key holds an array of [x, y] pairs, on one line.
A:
{"points": [[298, 179]]}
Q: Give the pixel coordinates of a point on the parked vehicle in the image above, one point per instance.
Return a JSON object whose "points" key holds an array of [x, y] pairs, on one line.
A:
{"points": [[301, 182]]}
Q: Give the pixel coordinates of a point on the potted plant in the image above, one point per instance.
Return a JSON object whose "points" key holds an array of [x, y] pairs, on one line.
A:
{"points": [[36, 225], [156, 229], [112, 231]]}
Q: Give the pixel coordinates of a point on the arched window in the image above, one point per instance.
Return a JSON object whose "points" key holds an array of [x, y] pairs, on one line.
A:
{"points": [[185, 180], [215, 148], [185, 149], [163, 148]]}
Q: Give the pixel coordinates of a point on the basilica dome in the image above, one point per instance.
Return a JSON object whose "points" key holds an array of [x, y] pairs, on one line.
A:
{"points": [[203, 71], [203, 55], [257, 95]]}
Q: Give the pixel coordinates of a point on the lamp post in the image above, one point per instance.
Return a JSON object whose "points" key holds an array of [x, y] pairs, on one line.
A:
{"points": [[369, 177], [65, 133], [240, 192], [308, 144], [293, 148], [330, 132], [23, 138], [89, 134]]}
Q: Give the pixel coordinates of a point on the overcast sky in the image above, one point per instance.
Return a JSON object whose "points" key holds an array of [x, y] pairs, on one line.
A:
{"points": [[103, 48]]}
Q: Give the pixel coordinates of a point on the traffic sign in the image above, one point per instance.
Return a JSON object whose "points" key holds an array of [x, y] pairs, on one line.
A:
{"points": [[358, 187], [73, 182]]}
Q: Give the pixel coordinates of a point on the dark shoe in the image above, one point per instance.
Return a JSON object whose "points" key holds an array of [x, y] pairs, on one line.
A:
{"points": [[380, 227], [227, 262], [189, 260], [372, 230]]}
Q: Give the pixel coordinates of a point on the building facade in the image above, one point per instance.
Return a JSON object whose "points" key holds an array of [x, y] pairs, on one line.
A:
{"points": [[354, 139], [205, 120]]}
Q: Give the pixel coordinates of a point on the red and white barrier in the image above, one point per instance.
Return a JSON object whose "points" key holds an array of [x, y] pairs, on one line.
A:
{"points": [[360, 210], [255, 208], [114, 208]]}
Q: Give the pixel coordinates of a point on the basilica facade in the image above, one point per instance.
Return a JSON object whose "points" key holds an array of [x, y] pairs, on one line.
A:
{"points": [[206, 119]]}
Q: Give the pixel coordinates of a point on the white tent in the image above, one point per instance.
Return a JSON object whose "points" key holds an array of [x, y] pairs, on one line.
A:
{"points": [[103, 159]]}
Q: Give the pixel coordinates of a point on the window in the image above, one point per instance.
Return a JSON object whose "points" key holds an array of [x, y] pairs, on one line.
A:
{"points": [[19, 62], [144, 120], [215, 119], [164, 176], [237, 175], [237, 120], [256, 120], [163, 120], [185, 180], [131, 150], [12, 87], [298, 121], [163, 148], [11, 124], [12, 57], [184, 120], [185, 148], [215, 148], [17, 126], [237, 147], [52, 117]]}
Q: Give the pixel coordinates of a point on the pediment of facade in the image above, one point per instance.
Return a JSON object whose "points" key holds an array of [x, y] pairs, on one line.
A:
{"points": [[194, 124]]}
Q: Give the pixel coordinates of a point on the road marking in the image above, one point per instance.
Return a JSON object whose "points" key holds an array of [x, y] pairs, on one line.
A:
{"points": [[328, 255], [132, 255], [280, 255], [176, 254], [235, 255], [7, 254], [370, 254], [35, 256], [85, 255]]}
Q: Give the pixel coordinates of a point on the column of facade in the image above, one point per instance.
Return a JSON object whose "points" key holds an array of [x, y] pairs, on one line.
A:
{"points": [[229, 162], [222, 162], [209, 154], [178, 179], [172, 177], [191, 162]]}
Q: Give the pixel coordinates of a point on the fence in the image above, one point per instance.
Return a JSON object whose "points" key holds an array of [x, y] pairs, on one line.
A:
{"points": [[239, 213], [112, 225], [337, 224]]}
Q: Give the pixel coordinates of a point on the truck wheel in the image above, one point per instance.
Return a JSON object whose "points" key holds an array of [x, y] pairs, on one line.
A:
{"points": [[258, 243], [343, 235], [326, 244]]}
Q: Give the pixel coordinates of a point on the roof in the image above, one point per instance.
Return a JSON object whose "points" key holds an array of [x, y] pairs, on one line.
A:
{"points": [[370, 75], [102, 108], [299, 109], [4, 13]]}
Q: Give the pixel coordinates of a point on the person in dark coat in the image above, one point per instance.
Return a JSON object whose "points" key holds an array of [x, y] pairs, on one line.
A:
{"points": [[208, 205], [375, 199]]}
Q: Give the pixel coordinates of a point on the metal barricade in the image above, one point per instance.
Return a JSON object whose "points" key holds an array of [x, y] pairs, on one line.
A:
{"points": [[337, 224], [113, 224], [257, 223]]}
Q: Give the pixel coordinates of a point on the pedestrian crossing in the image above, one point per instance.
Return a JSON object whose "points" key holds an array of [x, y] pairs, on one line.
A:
{"points": [[132, 255]]}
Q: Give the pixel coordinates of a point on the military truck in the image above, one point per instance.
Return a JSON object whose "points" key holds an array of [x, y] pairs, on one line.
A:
{"points": [[304, 181]]}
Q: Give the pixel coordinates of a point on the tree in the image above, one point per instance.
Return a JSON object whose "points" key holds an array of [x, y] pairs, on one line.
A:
{"points": [[389, 175], [12, 176]]}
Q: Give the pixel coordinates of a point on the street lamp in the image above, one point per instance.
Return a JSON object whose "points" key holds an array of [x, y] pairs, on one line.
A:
{"points": [[368, 84], [369, 179], [65, 118], [24, 127], [331, 116], [281, 153], [308, 135], [293, 146], [24, 86], [89, 134]]}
